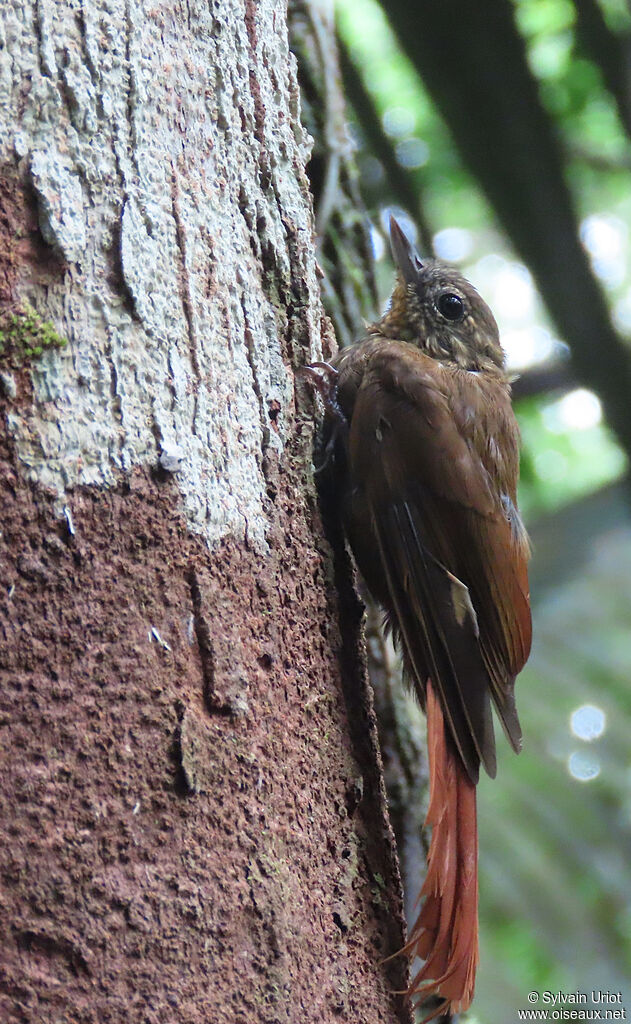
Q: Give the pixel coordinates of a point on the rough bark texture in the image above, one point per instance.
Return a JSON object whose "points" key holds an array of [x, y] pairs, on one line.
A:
{"points": [[345, 250], [193, 823], [164, 149]]}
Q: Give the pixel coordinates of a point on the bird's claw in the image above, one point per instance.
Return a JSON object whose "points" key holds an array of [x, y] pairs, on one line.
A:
{"points": [[323, 377]]}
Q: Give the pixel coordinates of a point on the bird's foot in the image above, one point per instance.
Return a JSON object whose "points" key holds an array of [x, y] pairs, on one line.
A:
{"points": [[323, 377]]}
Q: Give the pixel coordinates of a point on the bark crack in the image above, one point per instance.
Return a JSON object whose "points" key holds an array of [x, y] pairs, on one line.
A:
{"points": [[45, 51], [185, 290], [255, 91], [82, 19], [251, 354], [131, 103], [204, 642]]}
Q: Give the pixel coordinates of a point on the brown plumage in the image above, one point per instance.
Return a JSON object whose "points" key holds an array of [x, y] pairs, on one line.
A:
{"points": [[422, 448]]}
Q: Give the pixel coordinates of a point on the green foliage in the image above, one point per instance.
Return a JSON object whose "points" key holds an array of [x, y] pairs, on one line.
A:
{"points": [[448, 192], [572, 89], [25, 336], [529, 959], [560, 464]]}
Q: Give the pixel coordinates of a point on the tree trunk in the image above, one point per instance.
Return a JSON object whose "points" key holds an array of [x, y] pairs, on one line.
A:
{"points": [[193, 824]]}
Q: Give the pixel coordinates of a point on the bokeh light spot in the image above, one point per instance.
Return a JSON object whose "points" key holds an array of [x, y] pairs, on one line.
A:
{"points": [[583, 765], [514, 294], [453, 244], [372, 171], [412, 153], [398, 121], [578, 410], [588, 722], [527, 346], [605, 238]]}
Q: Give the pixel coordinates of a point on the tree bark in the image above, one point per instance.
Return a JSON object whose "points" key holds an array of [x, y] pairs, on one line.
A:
{"points": [[193, 822]]}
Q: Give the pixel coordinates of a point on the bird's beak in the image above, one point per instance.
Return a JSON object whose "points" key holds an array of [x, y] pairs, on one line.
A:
{"points": [[404, 254]]}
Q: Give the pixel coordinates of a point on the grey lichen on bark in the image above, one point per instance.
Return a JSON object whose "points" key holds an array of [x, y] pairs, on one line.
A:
{"points": [[172, 191]]}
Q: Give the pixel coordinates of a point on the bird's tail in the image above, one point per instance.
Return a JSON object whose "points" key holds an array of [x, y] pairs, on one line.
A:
{"points": [[445, 934]]}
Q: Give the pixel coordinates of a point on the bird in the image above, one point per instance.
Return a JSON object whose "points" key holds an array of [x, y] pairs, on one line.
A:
{"points": [[420, 448]]}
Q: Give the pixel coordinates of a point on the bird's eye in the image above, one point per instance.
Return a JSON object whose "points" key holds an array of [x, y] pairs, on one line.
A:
{"points": [[451, 306]]}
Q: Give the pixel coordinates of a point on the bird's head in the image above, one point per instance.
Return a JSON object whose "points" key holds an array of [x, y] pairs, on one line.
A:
{"points": [[437, 309]]}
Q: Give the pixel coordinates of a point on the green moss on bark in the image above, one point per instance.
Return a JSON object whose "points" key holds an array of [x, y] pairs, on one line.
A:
{"points": [[24, 336]]}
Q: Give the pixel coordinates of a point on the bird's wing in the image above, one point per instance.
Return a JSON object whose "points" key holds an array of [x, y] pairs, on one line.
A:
{"points": [[453, 564]]}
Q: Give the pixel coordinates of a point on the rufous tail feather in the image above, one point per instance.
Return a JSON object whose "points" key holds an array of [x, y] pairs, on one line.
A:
{"points": [[445, 934]]}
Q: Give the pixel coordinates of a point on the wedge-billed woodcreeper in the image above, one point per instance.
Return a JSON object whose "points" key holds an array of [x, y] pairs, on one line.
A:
{"points": [[421, 448]]}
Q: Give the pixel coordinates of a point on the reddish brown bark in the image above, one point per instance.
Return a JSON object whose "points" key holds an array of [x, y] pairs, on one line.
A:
{"points": [[183, 833]]}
